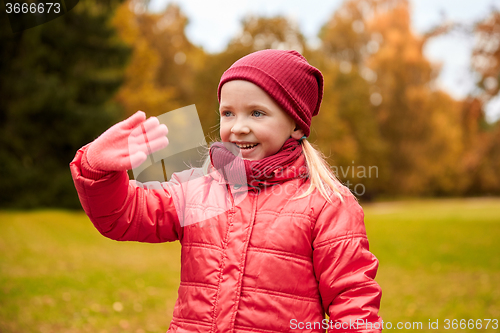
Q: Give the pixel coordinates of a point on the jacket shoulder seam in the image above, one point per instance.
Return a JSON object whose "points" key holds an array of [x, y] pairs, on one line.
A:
{"points": [[313, 225]]}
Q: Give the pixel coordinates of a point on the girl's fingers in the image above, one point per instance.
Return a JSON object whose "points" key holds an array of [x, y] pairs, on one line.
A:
{"points": [[137, 159], [141, 138], [134, 120], [135, 147], [147, 148], [151, 123], [147, 137], [157, 132], [158, 144], [136, 133], [151, 127]]}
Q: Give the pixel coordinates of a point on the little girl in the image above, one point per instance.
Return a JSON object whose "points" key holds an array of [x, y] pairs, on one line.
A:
{"points": [[271, 241]]}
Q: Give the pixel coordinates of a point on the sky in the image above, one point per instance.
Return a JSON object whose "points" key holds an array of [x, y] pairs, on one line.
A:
{"points": [[212, 23]]}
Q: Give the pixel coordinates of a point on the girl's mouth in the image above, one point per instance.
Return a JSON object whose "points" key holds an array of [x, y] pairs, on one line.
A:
{"points": [[246, 146]]}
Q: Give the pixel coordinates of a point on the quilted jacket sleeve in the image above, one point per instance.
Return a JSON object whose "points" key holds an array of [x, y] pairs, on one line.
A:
{"points": [[345, 268], [123, 210]]}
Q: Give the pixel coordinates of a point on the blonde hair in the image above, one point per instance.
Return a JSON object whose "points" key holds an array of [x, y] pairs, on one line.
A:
{"points": [[320, 174]]}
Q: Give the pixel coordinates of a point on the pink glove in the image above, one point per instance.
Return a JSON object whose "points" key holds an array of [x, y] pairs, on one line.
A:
{"points": [[126, 145]]}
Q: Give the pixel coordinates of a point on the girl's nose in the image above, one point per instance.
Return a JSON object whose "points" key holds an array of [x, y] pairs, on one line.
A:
{"points": [[240, 127]]}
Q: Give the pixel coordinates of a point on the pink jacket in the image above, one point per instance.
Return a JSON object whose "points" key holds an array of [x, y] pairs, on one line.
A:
{"points": [[261, 263]]}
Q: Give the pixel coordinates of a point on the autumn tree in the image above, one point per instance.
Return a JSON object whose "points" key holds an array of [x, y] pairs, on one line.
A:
{"points": [[486, 55], [420, 122], [56, 87], [160, 76], [481, 162], [347, 126], [417, 124]]}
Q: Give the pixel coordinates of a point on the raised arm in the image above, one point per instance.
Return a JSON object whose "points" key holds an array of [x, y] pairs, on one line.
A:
{"points": [[117, 207]]}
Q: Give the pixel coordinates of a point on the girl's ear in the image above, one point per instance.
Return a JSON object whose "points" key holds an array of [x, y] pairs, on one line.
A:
{"points": [[297, 133]]}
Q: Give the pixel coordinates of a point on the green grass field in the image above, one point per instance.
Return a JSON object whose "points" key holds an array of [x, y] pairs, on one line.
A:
{"points": [[439, 259]]}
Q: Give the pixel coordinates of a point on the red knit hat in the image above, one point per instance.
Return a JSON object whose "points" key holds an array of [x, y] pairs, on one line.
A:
{"points": [[287, 77]]}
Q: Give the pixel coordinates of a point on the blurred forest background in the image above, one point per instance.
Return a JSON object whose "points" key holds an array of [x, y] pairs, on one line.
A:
{"points": [[63, 83]]}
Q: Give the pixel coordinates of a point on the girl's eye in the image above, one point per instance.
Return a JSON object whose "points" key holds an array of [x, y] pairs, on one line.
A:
{"points": [[257, 114], [226, 113]]}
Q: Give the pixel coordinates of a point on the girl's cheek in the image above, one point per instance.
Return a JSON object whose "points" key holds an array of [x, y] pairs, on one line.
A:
{"points": [[224, 131]]}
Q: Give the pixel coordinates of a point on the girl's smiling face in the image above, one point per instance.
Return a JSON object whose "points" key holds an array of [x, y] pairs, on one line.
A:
{"points": [[252, 121]]}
